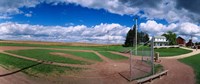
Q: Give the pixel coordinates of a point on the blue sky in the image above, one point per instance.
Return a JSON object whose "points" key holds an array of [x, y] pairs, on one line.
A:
{"points": [[95, 21], [64, 15]]}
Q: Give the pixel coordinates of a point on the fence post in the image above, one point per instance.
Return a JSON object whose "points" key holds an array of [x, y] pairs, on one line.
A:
{"points": [[152, 54], [130, 64]]}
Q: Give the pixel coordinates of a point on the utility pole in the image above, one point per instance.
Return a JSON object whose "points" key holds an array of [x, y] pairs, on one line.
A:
{"points": [[136, 36]]}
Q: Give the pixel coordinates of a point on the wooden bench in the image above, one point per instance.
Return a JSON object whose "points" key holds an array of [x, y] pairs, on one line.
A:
{"points": [[150, 78]]}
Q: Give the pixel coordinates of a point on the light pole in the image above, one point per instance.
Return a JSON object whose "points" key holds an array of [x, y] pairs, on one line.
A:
{"points": [[131, 50], [136, 36], [108, 39]]}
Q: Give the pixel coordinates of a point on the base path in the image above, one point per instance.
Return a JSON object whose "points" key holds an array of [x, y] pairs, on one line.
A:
{"points": [[51, 63], [73, 57], [179, 73]]}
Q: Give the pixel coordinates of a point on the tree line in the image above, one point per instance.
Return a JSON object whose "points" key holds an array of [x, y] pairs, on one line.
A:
{"points": [[142, 37]]}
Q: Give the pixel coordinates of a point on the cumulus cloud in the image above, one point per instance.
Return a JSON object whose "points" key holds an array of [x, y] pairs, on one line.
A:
{"points": [[188, 29], [28, 15], [152, 27], [162, 9], [185, 29], [191, 5], [103, 33], [171, 10], [140, 3], [113, 6], [11, 7], [178, 13]]}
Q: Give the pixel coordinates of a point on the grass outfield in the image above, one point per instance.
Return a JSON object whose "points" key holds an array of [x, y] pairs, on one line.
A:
{"points": [[43, 54], [113, 56], [171, 51], [193, 61], [11, 62], [117, 48], [95, 48]]}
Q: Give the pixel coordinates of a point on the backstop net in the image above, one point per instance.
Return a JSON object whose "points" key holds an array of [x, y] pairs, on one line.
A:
{"points": [[141, 62]]}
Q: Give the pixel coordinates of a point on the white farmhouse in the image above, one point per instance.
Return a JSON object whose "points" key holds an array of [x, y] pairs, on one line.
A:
{"points": [[160, 41]]}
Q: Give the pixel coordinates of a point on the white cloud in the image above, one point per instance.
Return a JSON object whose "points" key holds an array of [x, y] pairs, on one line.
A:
{"points": [[152, 27], [28, 15], [79, 33], [159, 9], [69, 24], [113, 6], [11, 7], [5, 17], [186, 29]]}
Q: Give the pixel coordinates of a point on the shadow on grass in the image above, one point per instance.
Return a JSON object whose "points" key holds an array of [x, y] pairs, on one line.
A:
{"points": [[14, 72]]}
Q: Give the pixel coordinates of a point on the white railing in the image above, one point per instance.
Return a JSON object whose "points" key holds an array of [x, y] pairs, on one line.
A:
{"points": [[170, 46]]}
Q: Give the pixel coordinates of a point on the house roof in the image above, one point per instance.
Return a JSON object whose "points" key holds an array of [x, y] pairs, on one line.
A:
{"points": [[180, 38], [163, 37]]}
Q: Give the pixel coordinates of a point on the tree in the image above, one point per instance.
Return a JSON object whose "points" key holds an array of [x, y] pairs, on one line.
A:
{"points": [[197, 43], [171, 37], [190, 43], [130, 37], [146, 38]]}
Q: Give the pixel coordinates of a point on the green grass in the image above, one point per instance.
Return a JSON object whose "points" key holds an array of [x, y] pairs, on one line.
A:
{"points": [[117, 48], [171, 51], [11, 62], [113, 56], [193, 61], [43, 54], [95, 48], [158, 68]]}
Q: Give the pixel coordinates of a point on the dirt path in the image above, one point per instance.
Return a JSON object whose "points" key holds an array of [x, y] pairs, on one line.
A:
{"points": [[18, 78], [66, 49], [179, 73], [73, 57], [4, 48], [51, 63], [194, 52], [105, 59], [122, 54]]}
